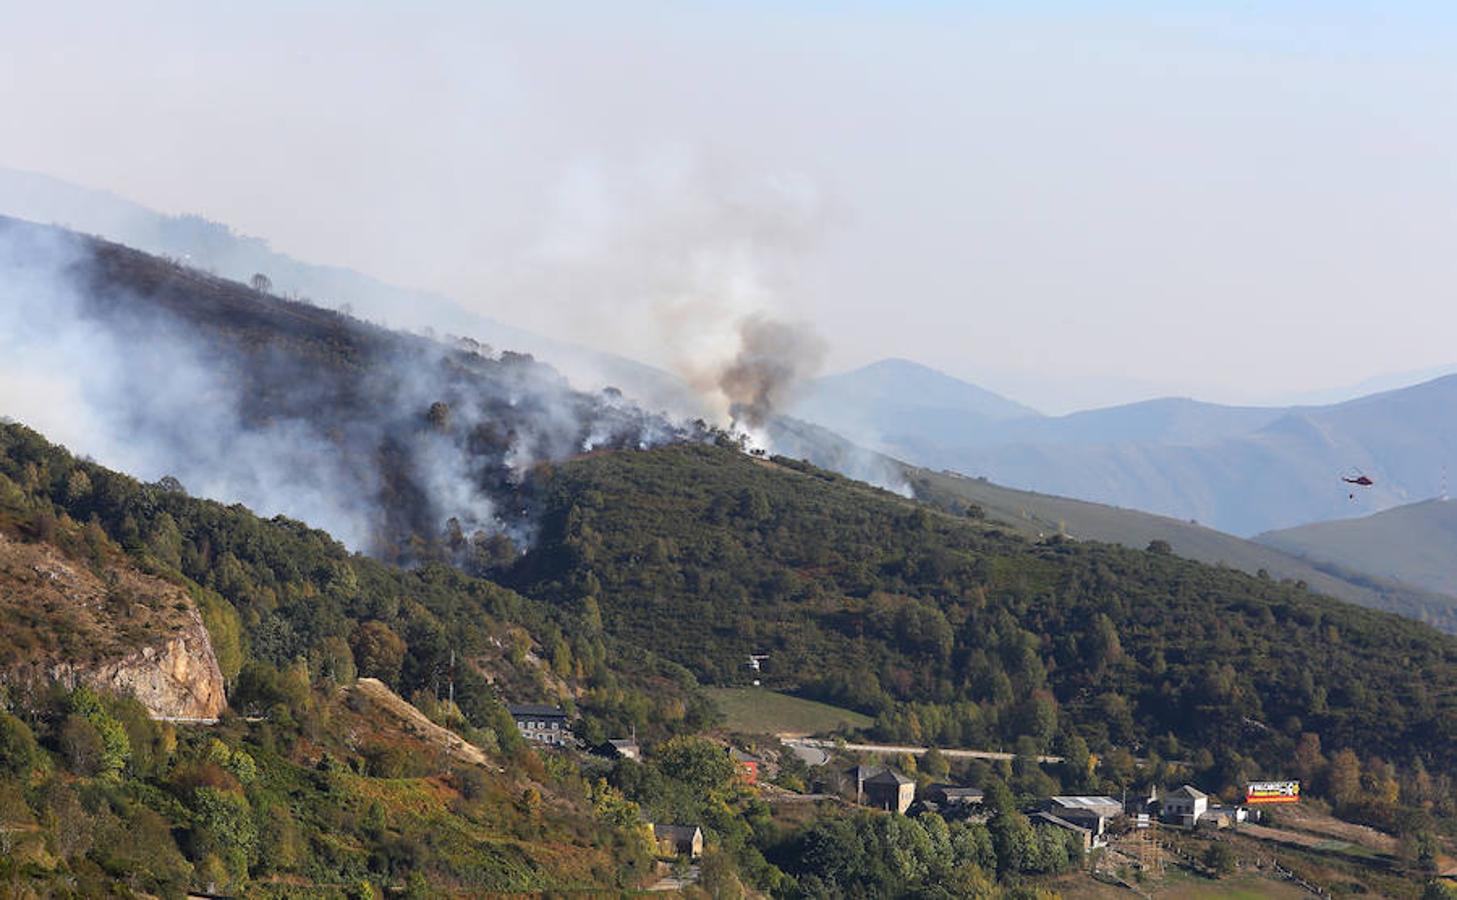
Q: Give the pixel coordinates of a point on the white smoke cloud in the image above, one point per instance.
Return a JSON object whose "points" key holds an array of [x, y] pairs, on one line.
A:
{"points": [[350, 451], [679, 258], [142, 397]]}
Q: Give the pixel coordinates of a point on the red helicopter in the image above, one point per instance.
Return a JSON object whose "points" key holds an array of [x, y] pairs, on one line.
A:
{"points": [[1357, 477]]}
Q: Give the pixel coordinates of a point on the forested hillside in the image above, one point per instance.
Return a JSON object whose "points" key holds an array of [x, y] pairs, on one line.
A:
{"points": [[316, 786], [957, 633], [1365, 576]]}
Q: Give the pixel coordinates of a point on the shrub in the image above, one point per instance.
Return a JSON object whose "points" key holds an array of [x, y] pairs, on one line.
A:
{"points": [[18, 750]]}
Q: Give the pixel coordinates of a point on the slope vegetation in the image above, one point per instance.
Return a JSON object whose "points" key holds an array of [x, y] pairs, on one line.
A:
{"points": [[1414, 544], [964, 635], [1355, 577], [408, 448], [326, 785], [1038, 515]]}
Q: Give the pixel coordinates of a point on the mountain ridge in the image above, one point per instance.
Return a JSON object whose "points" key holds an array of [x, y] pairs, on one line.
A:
{"points": [[1242, 470], [1413, 544], [1041, 515]]}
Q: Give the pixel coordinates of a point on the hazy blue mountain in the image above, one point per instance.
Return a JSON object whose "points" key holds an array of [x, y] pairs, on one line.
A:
{"points": [[1281, 473], [1239, 469], [1167, 420], [897, 400], [1414, 544]]}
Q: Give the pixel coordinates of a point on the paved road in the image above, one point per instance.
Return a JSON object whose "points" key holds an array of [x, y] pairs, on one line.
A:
{"points": [[906, 748]]}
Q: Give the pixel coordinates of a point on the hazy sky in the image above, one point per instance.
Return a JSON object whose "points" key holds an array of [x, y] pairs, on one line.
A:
{"points": [[1072, 202]]}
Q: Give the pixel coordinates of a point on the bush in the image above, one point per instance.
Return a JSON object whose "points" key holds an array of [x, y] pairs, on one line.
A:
{"points": [[81, 746], [18, 750], [1220, 859]]}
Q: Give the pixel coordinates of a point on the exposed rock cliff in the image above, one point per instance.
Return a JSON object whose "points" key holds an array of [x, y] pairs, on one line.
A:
{"points": [[104, 624]]}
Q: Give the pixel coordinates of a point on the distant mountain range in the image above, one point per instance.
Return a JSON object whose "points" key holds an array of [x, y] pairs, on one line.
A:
{"points": [[1238, 469], [1415, 544]]}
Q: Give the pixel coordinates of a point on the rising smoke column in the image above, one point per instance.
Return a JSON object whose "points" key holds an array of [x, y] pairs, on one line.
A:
{"points": [[774, 358]]}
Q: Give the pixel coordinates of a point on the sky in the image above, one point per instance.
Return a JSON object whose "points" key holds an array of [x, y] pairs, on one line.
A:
{"points": [[1074, 203]]}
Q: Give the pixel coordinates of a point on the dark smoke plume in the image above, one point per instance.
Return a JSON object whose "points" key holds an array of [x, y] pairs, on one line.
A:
{"points": [[773, 359]]}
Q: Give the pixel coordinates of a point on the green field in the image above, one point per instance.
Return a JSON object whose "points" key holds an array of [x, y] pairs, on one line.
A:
{"points": [[757, 711]]}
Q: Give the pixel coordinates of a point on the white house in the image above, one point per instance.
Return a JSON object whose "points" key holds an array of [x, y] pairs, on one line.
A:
{"points": [[1185, 806]]}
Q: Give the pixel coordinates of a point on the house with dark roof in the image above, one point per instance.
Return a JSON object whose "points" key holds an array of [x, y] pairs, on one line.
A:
{"points": [[679, 840], [889, 790], [620, 748], [948, 795], [541, 723], [1142, 802], [1221, 816], [1047, 819], [856, 776], [1092, 813]]}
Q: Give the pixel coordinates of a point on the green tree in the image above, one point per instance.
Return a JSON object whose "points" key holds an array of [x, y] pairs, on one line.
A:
{"points": [[1076, 765], [1014, 841], [700, 764], [223, 825], [332, 660], [1220, 859], [116, 746], [718, 877], [224, 631], [18, 750], [81, 746], [934, 763], [78, 486], [1343, 778], [379, 652]]}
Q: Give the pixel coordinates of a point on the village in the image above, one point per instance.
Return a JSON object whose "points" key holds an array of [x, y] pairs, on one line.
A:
{"points": [[1127, 842]]}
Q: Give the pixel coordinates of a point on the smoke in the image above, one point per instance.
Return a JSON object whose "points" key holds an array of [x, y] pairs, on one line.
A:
{"points": [[686, 261], [773, 359], [135, 393], [376, 437], [382, 439]]}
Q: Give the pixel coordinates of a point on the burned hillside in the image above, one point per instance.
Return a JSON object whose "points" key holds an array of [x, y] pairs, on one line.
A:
{"points": [[404, 446]]}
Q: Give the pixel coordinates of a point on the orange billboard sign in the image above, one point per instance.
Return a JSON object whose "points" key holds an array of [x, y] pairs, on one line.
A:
{"points": [[1273, 792]]}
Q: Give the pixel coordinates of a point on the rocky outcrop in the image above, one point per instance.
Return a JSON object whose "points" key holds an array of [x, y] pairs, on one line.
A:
{"points": [[109, 626], [176, 679]]}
